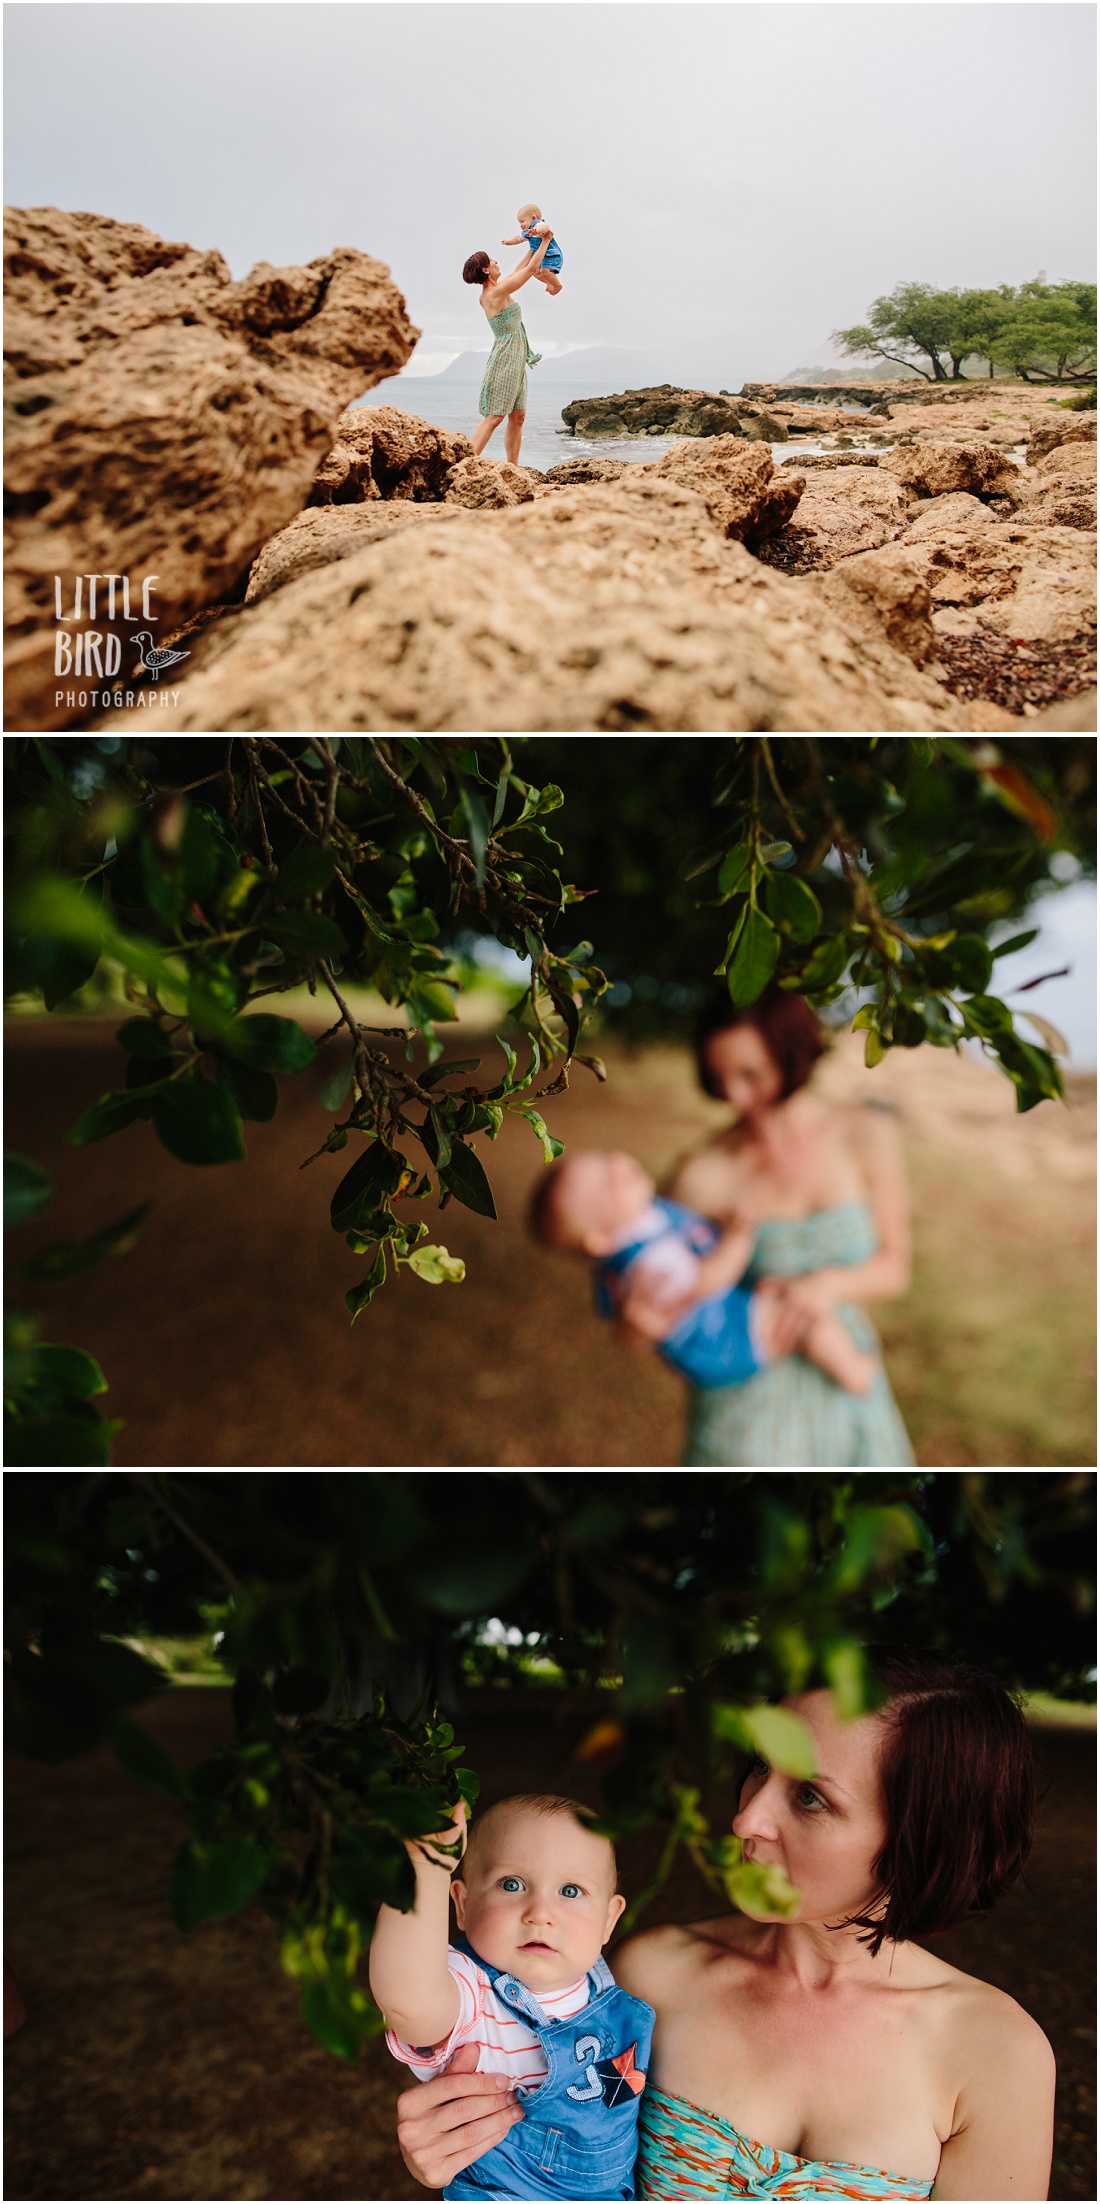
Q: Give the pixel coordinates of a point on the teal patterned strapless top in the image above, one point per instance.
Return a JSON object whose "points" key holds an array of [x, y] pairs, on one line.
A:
{"points": [[791, 1416], [687, 2152]]}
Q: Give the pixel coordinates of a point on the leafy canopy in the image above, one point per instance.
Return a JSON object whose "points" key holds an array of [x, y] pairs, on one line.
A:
{"points": [[676, 1611]]}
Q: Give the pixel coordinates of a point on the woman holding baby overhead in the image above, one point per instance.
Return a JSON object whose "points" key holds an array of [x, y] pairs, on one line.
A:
{"points": [[504, 388], [820, 2052]]}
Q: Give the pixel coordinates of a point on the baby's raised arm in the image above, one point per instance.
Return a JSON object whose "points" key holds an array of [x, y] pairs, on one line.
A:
{"points": [[409, 1976], [727, 1263]]}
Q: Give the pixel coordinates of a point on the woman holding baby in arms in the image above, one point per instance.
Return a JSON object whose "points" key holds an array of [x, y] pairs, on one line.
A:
{"points": [[822, 2053]]}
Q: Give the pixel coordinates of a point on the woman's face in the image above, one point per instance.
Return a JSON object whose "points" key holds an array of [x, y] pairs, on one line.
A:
{"points": [[826, 1834], [743, 1070], [493, 272]]}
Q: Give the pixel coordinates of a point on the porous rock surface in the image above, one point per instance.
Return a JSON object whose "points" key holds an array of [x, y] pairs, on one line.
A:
{"points": [[163, 420], [1060, 489], [381, 452], [1032, 583], [842, 511], [568, 472], [1068, 428], [934, 467], [325, 533], [744, 491], [612, 606], [883, 592], [488, 484]]}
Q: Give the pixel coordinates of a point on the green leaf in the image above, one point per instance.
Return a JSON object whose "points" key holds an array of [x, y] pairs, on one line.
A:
{"points": [[306, 935], [144, 1037], [986, 1014], [551, 1148], [848, 1678], [307, 871], [759, 1887], [477, 822], [432, 1077], [792, 906], [769, 851], [199, 1122], [866, 1018], [470, 1582], [67, 1371], [57, 1442], [754, 959], [1016, 941], [733, 873], [377, 1172], [147, 1761], [67, 1258], [27, 1189], [266, 1043], [780, 1737], [825, 966], [465, 1178], [1055, 1041], [254, 1092], [971, 962], [359, 1297], [908, 1025], [875, 1540], [109, 1115], [436, 1266], [332, 1093], [338, 2014], [875, 1049], [213, 1879]]}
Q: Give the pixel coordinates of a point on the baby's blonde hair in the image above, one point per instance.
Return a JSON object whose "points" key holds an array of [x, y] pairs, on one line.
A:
{"points": [[525, 214], [537, 1802]]}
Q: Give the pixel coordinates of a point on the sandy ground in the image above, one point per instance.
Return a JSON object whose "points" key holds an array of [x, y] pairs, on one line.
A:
{"points": [[225, 1341], [161, 2066]]}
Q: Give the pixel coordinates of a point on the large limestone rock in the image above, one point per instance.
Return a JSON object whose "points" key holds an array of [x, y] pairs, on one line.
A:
{"points": [[1066, 428], [745, 493], [482, 484], [934, 467], [324, 533], [1030, 584], [842, 511], [162, 421], [668, 411], [569, 472], [381, 452], [1060, 489], [954, 509], [614, 606], [883, 593]]}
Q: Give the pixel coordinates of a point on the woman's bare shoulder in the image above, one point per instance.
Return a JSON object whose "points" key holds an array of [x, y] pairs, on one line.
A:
{"points": [[705, 1178], [985, 2024], [656, 1957]]}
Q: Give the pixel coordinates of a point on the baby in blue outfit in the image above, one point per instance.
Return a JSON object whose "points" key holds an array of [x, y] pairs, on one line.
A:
{"points": [[536, 1900], [674, 1275], [550, 269]]}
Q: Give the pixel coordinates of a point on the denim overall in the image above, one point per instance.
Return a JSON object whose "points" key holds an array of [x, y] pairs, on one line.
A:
{"points": [[579, 2135], [712, 1345]]}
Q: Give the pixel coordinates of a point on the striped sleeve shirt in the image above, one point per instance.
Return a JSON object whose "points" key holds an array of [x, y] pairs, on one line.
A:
{"points": [[505, 2043]]}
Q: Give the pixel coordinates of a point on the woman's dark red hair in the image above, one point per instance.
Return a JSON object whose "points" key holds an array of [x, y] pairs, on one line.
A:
{"points": [[786, 1024], [958, 1772], [476, 269]]}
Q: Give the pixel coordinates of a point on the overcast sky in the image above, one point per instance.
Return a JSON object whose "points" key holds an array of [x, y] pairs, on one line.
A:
{"points": [[727, 182]]}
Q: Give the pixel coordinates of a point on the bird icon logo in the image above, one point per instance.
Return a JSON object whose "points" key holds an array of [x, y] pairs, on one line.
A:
{"points": [[153, 661]]}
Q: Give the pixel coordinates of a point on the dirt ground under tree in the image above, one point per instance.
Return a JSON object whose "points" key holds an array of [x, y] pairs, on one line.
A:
{"points": [[160, 2066], [225, 1341]]}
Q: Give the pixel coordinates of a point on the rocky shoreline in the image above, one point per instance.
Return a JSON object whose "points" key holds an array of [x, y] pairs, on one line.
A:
{"points": [[324, 566]]}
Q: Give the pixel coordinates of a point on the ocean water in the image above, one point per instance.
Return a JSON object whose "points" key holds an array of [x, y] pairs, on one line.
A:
{"points": [[451, 403]]}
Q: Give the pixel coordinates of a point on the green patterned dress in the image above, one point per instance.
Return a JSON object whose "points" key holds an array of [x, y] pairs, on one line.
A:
{"points": [[504, 389], [791, 1416]]}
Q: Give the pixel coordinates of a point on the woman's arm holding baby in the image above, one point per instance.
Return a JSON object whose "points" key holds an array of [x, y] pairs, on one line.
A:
{"points": [[409, 1976]]}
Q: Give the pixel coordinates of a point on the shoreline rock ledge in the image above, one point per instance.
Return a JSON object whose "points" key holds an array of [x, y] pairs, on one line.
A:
{"points": [[665, 410]]}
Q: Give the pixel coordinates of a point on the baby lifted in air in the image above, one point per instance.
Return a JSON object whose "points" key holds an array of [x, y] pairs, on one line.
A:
{"points": [[675, 1275], [532, 230], [536, 1898]]}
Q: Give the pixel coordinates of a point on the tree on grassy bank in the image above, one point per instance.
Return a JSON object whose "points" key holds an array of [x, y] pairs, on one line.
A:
{"points": [[674, 1612], [1043, 332], [199, 879]]}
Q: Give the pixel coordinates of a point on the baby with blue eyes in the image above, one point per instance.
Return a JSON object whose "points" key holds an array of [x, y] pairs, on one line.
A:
{"points": [[524, 1980]]}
